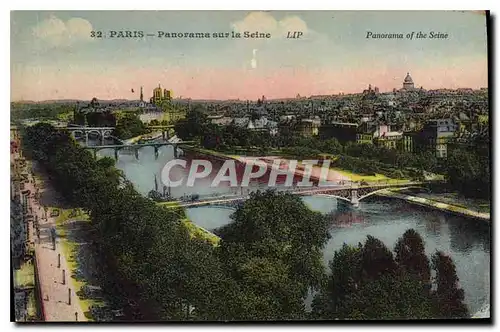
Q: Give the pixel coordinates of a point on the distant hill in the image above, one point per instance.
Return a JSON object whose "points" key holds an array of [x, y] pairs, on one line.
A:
{"points": [[118, 101], [70, 101]]}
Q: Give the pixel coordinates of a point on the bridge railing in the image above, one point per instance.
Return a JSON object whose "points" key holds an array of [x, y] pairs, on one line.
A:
{"points": [[342, 185]]}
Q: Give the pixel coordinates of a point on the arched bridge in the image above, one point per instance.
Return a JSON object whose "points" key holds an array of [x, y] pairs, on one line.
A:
{"points": [[352, 193], [80, 131], [135, 147]]}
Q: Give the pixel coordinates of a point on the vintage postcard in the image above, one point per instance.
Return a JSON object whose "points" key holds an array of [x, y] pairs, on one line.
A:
{"points": [[250, 166]]}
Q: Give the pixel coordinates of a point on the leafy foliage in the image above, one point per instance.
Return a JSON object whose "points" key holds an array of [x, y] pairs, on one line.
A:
{"points": [[273, 249], [129, 126], [469, 172], [448, 296], [368, 282], [267, 261], [149, 252]]}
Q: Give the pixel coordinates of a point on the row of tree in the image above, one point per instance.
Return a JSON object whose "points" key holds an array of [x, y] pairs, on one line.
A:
{"points": [[369, 279], [94, 119], [21, 111], [268, 260], [150, 254]]}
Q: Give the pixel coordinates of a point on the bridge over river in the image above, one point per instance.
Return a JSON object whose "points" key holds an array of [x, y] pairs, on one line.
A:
{"points": [[135, 147], [352, 193]]}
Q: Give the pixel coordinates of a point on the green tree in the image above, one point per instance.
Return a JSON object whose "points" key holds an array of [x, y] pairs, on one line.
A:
{"points": [[366, 282], [130, 126], [194, 125], [275, 235], [449, 297], [410, 255], [469, 173]]}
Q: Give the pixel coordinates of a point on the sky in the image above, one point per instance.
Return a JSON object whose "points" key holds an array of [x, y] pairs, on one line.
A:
{"points": [[54, 57]]}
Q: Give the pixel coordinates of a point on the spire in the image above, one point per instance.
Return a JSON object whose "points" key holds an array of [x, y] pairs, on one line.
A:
{"points": [[142, 96]]}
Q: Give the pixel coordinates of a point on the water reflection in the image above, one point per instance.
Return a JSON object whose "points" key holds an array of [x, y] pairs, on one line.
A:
{"points": [[210, 218], [466, 240]]}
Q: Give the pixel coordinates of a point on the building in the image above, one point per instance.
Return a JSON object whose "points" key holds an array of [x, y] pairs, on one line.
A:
{"points": [[167, 94], [364, 138], [142, 104], [388, 139], [371, 91], [260, 124], [407, 143], [264, 125], [343, 132], [435, 136], [308, 127], [159, 95], [220, 120], [408, 83], [378, 134]]}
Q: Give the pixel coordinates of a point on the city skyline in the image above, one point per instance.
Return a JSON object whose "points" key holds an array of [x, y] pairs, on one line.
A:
{"points": [[53, 56]]}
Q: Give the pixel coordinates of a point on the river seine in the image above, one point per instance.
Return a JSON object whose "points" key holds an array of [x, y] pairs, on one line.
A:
{"points": [[467, 241]]}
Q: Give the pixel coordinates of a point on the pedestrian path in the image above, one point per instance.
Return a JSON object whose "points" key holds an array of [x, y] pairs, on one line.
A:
{"points": [[58, 296]]}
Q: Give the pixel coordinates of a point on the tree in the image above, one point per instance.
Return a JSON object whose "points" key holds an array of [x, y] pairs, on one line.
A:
{"points": [[277, 236], [194, 125], [154, 122], [132, 232], [130, 126], [469, 173], [410, 255], [449, 297], [345, 279], [366, 282]]}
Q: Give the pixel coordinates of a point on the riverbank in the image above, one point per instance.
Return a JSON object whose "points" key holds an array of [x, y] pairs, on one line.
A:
{"points": [[58, 296], [334, 174], [453, 198], [194, 230], [435, 204]]}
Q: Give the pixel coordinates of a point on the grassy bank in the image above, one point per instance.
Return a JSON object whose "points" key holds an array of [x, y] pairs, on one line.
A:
{"points": [[25, 276], [437, 205], [32, 307], [197, 232], [194, 230], [70, 250], [455, 199]]}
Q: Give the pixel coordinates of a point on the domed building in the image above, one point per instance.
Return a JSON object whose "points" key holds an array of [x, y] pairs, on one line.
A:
{"points": [[408, 83]]}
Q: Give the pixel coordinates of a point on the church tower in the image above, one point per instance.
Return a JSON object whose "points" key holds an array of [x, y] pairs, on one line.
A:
{"points": [[142, 96]]}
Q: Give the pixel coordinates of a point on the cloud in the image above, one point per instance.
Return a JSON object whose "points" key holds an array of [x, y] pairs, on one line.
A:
{"points": [[54, 32], [293, 23], [265, 22]]}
